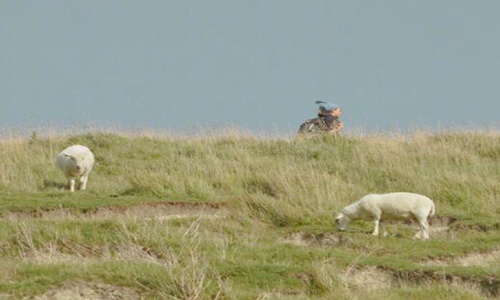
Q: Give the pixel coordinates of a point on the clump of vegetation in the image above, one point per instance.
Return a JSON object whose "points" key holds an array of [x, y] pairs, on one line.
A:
{"points": [[261, 191]]}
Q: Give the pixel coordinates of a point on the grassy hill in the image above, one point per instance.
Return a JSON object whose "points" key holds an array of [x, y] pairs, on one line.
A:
{"points": [[238, 217]]}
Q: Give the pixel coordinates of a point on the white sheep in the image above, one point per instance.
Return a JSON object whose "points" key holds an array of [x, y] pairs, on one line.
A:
{"points": [[76, 162], [392, 206]]}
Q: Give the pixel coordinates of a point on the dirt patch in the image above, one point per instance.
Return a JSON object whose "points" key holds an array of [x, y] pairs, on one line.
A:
{"points": [[479, 259], [488, 286], [477, 227], [451, 223], [373, 278], [81, 290], [82, 254], [157, 210], [161, 212], [470, 260], [369, 278], [441, 221], [281, 295], [304, 238]]}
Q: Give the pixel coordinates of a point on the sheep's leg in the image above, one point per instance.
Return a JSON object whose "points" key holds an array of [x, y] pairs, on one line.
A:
{"points": [[426, 232], [71, 183], [83, 182], [418, 235], [375, 230], [424, 225], [423, 232]]}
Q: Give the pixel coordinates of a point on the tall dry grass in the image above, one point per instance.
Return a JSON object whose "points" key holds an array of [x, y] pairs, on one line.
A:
{"points": [[270, 186], [286, 181]]}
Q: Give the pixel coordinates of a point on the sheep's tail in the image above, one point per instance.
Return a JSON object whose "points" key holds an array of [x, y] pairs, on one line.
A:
{"points": [[433, 210]]}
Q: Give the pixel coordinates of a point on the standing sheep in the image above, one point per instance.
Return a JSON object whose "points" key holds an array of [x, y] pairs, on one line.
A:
{"points": [[76, 161], [395, 206]]}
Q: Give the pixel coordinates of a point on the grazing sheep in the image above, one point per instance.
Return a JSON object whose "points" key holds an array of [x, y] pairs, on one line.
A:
{"points": [[395, 206], [76, 161]]}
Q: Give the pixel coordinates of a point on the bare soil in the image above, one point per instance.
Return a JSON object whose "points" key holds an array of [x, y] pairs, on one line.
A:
{"points": [[488, 286], [159, 210], [80, 290], [304, 238]]}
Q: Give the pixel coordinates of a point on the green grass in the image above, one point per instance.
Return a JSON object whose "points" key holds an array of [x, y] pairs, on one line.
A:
{"points": [[266, 190]]}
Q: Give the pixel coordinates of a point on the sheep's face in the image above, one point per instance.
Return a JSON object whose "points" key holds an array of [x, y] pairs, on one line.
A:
{"points": [[77, 165], [342, 222]]}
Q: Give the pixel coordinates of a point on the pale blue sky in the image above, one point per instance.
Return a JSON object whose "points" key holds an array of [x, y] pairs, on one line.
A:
{"points": [[257, 65]]}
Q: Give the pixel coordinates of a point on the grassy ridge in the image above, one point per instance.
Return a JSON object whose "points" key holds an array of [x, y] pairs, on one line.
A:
{"points": [[271, 188]]}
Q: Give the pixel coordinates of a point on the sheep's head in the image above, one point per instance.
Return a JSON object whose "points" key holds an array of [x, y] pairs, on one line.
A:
{"points": [[77, 164], [342, 221]]}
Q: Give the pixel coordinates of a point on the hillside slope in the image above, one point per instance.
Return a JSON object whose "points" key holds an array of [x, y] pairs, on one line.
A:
{"points": [[240, 217]]}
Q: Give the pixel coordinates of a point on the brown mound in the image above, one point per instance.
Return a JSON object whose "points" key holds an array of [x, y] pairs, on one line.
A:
{"points": [[81, 290], [489, 286], [162, 210], [471, 259], [369, 278], [322, 239], [372, 277]]}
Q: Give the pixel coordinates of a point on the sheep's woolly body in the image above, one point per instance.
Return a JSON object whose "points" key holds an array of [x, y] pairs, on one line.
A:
{"points": [[379, 207], [76, 162]]}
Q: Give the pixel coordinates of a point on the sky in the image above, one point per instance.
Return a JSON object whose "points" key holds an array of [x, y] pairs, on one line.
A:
{"points": [[255, 65]]}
